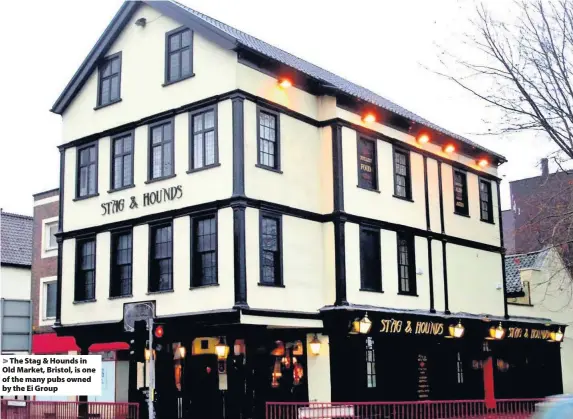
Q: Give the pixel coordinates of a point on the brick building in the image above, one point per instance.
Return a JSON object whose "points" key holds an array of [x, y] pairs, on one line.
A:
{"points": [[540, 214], [44, 300]]}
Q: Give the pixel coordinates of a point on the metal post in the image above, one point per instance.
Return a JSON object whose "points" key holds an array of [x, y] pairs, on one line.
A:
{"points": [[151, 371]]}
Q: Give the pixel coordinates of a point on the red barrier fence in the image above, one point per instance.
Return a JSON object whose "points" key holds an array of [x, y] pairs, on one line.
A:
{"points": [[450, 409], [27, 409]]}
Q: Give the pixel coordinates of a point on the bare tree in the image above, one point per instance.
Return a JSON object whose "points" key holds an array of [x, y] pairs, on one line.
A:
{"points": [[524, 68]]}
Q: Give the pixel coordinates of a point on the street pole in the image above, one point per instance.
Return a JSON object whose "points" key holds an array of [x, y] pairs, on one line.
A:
{"points": [[151, 371]]}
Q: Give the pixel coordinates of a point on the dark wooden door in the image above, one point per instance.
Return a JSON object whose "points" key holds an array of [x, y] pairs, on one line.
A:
{"points": [[202, 386]]}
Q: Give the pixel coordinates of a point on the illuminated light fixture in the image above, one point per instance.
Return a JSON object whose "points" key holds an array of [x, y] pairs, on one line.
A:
{"points": [[285, 83], [221, 349], [182, 352], [159, 332], [450, 148], [483, 163], [556, 336], [369, 118], [315, 345], [424, 138], [147, 354], [496, 333], [355, 327], [456, 331], [365, 324]]}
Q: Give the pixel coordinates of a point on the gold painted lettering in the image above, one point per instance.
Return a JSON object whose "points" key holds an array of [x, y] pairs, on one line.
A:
{"points": [[408, 326]]}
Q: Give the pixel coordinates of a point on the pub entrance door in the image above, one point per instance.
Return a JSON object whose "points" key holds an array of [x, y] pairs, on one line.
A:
{"points": [[202, 387], [279, 373]]}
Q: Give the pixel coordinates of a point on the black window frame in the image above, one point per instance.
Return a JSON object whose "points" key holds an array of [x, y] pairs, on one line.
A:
{"points": [[115, 287], [82, 296], [376, 185], [192, 133], [277, 154], [197, 281], [151, 146], [79, 166], [177, 32], [367, 282], [278, 282], [151, 268], [410, 240], [466, 212], [489, 204], [408, 176], [122, 155], [100, 103]]}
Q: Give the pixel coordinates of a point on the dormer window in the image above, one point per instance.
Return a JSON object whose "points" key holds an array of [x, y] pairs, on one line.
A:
{"points": [[109, 80], [179, 55]]}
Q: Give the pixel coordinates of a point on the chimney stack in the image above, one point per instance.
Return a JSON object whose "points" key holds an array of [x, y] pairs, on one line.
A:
{"points": [[544, 167]]}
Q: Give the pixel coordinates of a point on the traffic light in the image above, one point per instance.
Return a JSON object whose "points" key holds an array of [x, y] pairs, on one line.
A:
{"points": [[137, 341], [158, 333]]}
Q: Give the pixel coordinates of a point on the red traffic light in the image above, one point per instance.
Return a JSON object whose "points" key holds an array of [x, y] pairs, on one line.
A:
{"points": [[158, 332]]}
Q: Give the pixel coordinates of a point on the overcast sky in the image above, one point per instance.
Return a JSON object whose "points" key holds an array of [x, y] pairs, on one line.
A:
{"points": [[384, 45]]}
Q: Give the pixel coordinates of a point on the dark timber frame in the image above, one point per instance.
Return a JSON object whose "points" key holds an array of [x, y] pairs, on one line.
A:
{"points": [[338, 217], [238, 203]]}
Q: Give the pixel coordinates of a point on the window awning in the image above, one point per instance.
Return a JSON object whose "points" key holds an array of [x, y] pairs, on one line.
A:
{"points": [[50, 343]]}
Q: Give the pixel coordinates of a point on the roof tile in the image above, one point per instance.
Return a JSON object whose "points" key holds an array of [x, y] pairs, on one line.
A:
{"points": [[16, 239]]}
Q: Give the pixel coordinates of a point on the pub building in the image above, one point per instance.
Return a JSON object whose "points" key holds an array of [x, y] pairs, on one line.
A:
{"points": [[294, 236]]}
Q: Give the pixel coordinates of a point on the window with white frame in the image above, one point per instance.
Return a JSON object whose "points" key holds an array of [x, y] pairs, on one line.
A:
{"points": [[50, 296], [50, 242]]}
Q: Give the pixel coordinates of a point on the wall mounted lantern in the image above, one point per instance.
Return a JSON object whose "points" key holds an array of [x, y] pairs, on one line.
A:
{"points": [[456, 331], [355, 327], [556, 336], [147, 354], [496, 333], [285, 83], [365, 324], [315, 345], [221, 349]]}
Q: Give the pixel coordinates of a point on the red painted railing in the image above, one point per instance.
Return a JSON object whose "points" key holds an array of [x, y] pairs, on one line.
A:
{"points": [[27, 409], [450, 409]]}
